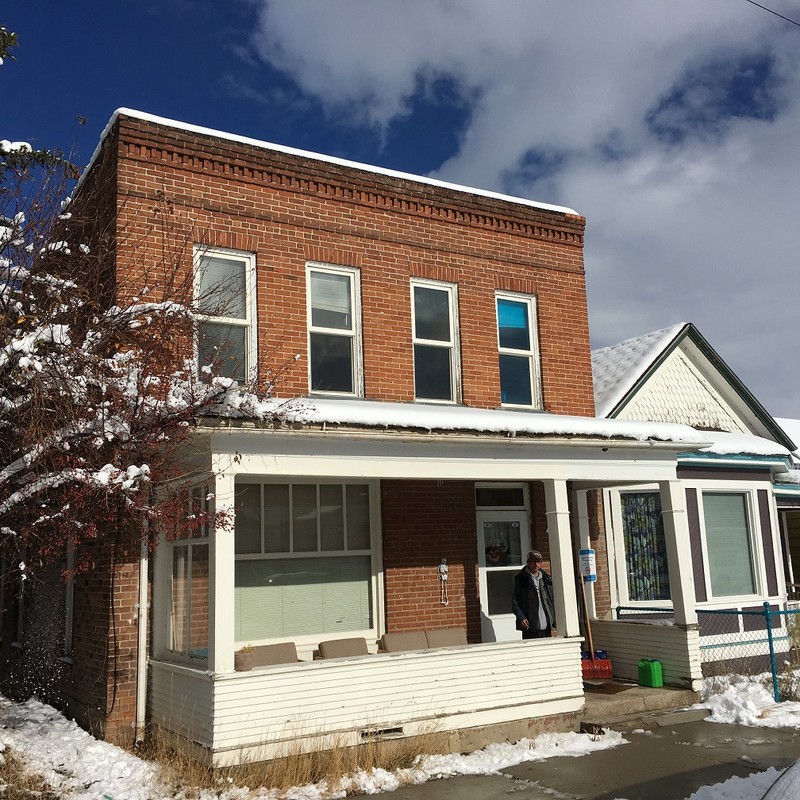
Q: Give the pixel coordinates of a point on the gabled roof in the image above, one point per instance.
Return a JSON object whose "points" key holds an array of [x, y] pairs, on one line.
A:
{"points": [[621, 370], [616, 370]]}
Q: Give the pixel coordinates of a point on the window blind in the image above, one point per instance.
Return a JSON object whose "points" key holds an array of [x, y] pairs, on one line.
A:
{"points": [[728, 543]]}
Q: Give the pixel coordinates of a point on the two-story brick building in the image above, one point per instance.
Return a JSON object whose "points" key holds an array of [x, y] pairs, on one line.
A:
{"points": [[446, 413]]}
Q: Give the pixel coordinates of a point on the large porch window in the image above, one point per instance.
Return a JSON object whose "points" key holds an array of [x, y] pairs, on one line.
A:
{"points": [[303, 560], [645, 546]]}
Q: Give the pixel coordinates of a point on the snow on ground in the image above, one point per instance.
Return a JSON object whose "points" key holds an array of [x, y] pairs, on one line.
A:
{"points": [[83, 768], [746, 700]]}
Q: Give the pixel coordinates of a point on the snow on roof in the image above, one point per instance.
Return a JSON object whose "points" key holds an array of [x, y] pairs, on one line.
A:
{"points": [[231, 137], [616, 369], [430, 417], [792, 476], [722, 443]]}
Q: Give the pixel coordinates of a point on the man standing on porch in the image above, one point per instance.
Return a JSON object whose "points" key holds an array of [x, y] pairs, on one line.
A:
{"points": [[532, 600]]}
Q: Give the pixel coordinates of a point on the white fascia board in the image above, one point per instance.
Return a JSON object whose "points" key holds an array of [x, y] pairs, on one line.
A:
{"points": [[304, 453]]}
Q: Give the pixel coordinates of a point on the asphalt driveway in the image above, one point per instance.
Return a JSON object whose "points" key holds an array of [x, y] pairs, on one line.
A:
{"points": [[667, 763]]}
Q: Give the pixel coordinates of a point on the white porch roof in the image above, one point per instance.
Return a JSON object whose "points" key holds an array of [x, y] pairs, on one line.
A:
{"points": [[328, 437], [430, 417]]}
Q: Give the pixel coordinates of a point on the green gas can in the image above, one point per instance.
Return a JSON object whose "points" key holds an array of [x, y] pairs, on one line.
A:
{"points": [[650, 672]]}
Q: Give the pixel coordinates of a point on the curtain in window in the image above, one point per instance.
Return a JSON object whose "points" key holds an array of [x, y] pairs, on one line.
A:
{"points": [[645, 546]]}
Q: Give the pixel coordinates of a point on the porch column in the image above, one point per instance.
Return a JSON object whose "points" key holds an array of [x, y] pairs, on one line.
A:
{"points": [[563, 569], [221, 569], [679, 551], [585, 543]]}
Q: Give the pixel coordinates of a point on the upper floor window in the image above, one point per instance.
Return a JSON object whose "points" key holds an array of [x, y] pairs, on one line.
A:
{"points": [[518, 350], [225, 295], [333, 330], [435, 338]]}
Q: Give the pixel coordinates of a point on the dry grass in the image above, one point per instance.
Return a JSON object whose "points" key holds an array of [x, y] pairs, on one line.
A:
{"points": [[17, 784], [294, 768]]}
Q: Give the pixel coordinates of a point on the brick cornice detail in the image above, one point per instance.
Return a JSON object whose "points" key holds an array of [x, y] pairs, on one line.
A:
{"points": [[244, 171]]}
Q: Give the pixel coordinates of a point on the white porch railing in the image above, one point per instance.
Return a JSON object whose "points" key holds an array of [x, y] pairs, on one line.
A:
{"points": [[239, 717]]}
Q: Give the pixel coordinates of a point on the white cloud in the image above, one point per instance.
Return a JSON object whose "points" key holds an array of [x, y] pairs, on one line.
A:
{"points": [[695, 227]]}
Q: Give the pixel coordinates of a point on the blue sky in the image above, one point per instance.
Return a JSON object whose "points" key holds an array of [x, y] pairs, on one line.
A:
{"points": [[672, 125]]}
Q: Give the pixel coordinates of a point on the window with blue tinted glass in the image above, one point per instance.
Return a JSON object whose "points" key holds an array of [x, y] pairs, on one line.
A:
{"points": [[518, 358]]}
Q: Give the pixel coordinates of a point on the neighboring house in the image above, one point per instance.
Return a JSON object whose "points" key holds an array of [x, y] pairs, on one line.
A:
{"points": [[448, 412], [731, 485], [787, 494]]}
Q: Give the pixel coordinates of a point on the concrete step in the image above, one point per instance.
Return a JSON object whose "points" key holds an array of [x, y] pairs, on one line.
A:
{"points": [[627, 706]]}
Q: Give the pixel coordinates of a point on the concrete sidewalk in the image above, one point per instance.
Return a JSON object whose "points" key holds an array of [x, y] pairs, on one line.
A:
{"points": [[669, 762]]}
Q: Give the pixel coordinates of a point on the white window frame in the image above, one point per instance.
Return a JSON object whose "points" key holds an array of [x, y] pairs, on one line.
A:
{"points": [[754, 532], [306, 643], [532, 354], [250, 304], [453, 344], [200, 496], [617, 556], [353, 332]]}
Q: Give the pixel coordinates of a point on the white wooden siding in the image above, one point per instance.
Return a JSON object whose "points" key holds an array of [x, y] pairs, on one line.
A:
{"points": [[266, 712], [680, 392], [626, 643], [181, 701]]}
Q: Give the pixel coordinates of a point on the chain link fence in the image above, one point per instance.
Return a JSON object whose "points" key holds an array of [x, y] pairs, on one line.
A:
{"points": [[748, 641]]}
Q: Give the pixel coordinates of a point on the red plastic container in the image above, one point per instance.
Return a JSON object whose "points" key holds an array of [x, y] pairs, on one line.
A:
{"points": [[597, 668]]}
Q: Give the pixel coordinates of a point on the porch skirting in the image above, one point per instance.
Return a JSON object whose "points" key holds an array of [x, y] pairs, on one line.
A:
{"points": [[677, 647], [477, 694]]}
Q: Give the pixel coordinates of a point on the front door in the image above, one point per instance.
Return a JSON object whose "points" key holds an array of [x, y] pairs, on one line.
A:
{"points": [[503, 542]]}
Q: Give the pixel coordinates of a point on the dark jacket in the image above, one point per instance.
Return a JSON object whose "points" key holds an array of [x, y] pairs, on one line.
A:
{"points": [[525, 599]]}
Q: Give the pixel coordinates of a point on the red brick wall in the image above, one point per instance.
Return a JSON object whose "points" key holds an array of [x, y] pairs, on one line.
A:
{"points": [[424, 521], [289, 210], [597, 536]]}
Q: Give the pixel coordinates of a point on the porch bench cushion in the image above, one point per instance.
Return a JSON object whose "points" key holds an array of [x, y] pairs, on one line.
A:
{"points": [[264, 655], [446, 637], [403, 640], [341, 648]]}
